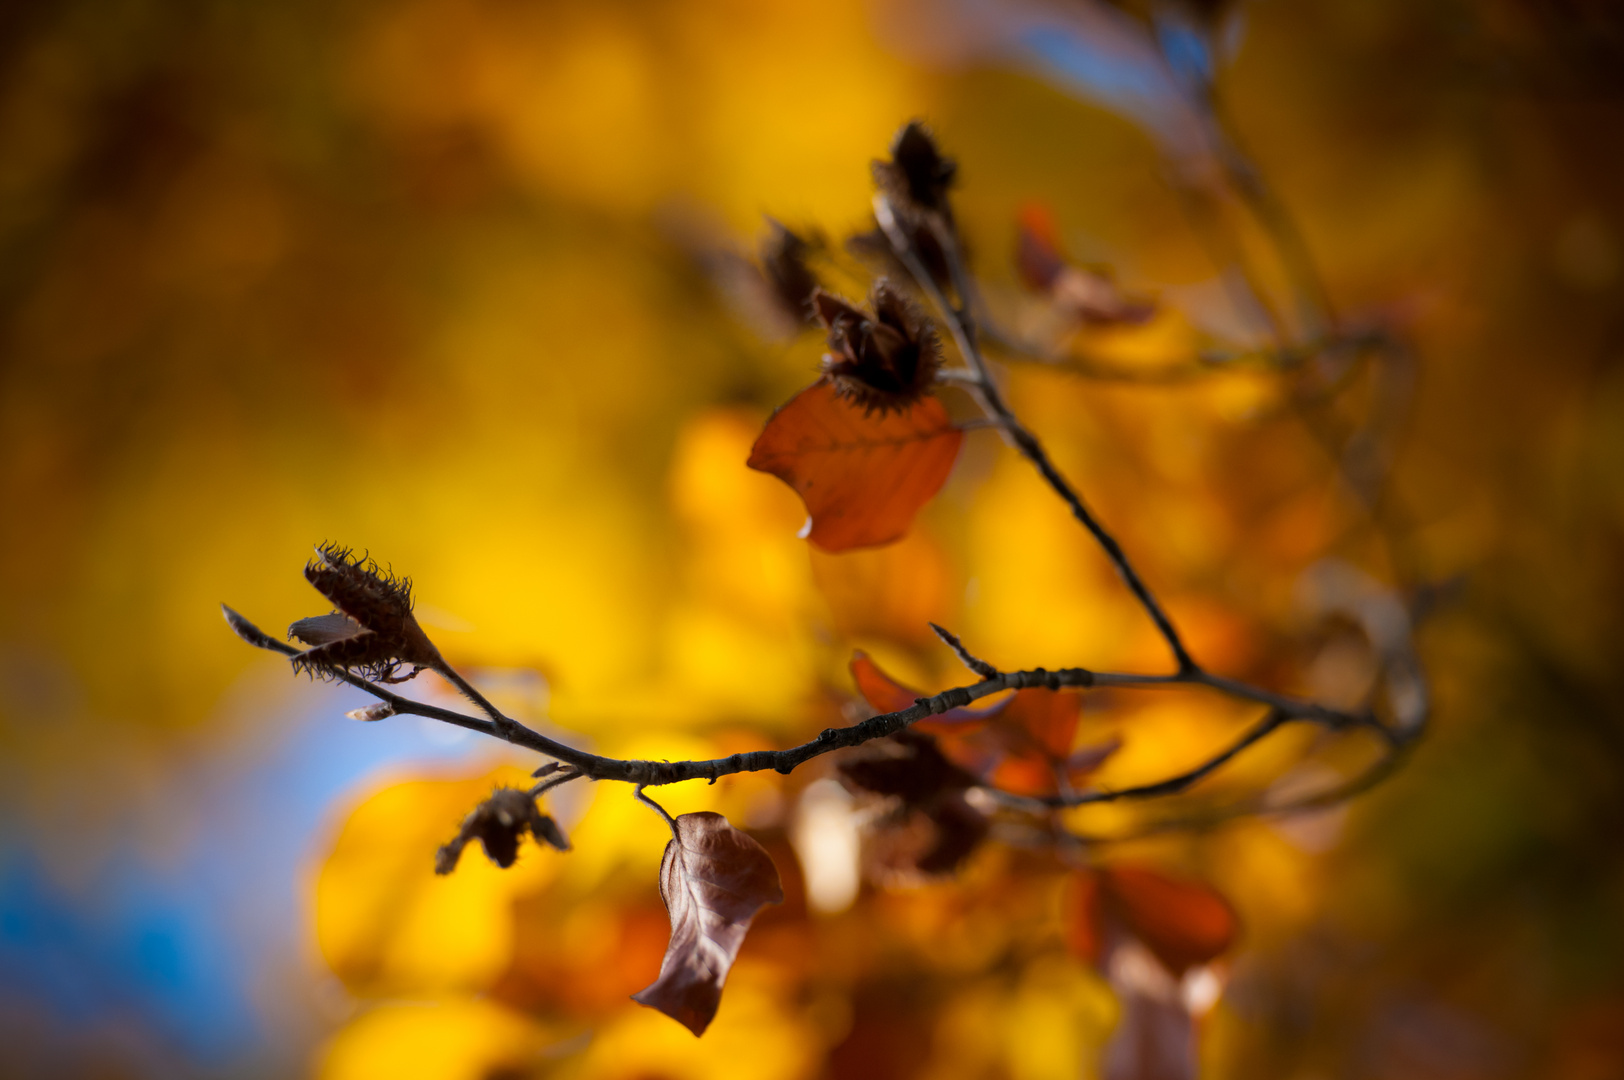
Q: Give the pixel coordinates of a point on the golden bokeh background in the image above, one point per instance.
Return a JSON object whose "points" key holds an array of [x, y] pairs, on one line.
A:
{"points": [[420, 277]]}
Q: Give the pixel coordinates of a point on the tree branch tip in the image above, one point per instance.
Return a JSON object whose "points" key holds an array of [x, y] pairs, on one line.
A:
{"points": [[968, 659]]}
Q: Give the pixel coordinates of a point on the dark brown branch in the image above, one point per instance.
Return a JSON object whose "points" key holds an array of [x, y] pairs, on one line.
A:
{"points": [[655, 773], [986, 391], [1174, 785]]}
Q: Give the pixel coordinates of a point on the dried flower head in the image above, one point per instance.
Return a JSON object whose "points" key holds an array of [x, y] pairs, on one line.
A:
{"points": [[784, 264], [931, 827], [373, 632], [881, 361], [499, 823], [917, 177]]}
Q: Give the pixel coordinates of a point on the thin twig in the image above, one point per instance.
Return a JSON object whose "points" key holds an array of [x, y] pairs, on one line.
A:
{"points": [[962, 328], [968, 659], [559, 780], [1174, 785]]}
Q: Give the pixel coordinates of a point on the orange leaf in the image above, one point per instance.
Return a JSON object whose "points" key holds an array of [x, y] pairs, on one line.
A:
{"points": [[1084, 931], [863, 476], [1184, 923]]}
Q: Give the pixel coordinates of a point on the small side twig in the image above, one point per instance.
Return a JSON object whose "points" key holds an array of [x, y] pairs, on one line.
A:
{"points": [[974, 663]]}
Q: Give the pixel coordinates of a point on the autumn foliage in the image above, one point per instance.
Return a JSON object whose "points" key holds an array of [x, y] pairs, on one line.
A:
{"points": [[933, 777]]}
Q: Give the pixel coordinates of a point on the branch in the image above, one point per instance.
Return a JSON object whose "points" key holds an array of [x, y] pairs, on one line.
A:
{"points": [[1173, 785], [962, 327], [645, 773]]}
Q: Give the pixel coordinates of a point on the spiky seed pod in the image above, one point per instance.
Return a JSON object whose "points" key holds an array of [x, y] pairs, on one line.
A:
{"points": [[917, 177], [784, 264], [882, 361], [373, 632], [499, 823]]}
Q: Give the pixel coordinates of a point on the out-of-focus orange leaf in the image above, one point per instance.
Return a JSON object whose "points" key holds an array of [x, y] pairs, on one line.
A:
{"points": [[863, 476], [1087, 296], [713, 879], [1083, 925], [1021, 744], [1182, 923]]}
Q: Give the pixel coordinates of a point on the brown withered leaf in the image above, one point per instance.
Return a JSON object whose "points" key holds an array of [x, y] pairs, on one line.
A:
{"points": [[862, 476], [713, 879], [1183, 923]]}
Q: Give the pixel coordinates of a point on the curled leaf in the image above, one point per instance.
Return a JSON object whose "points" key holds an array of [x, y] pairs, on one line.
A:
{"points": [[862, 476], [713, 879]]}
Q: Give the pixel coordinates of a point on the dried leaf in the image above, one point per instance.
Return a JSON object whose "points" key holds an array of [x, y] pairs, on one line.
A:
{"points": [[863, 477], [713, 879]]}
